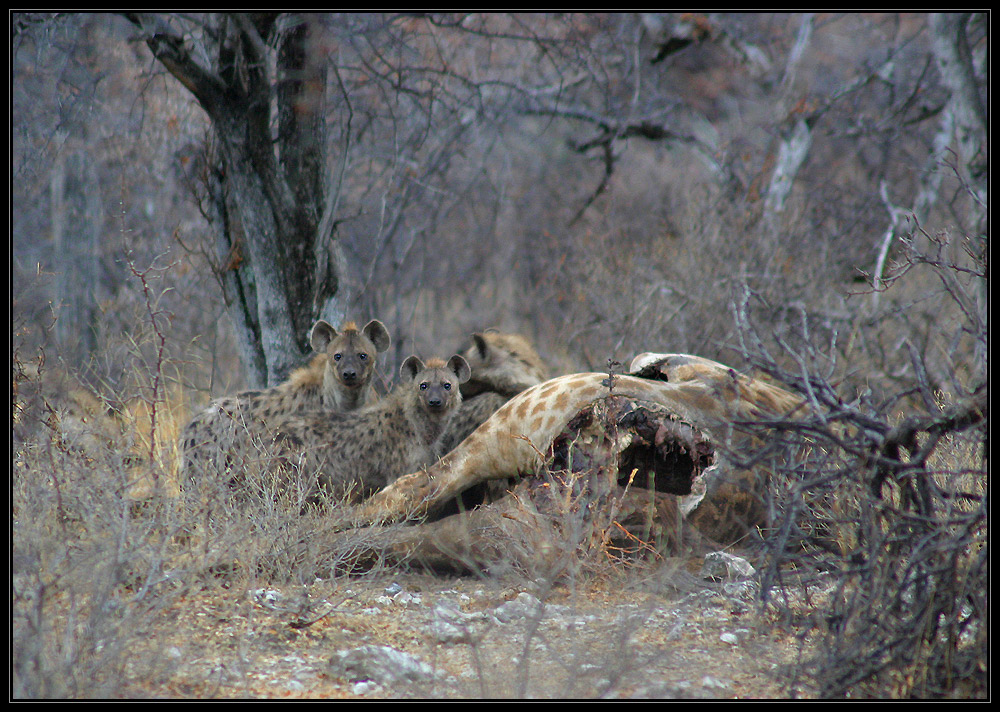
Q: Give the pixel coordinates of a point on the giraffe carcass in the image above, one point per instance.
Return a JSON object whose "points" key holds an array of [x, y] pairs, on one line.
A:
{"points": [[650, 451]]}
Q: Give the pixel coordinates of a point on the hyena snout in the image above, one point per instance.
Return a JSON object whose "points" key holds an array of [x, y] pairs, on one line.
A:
{"points": [[439, 397], [352, 375], [353, 370]]}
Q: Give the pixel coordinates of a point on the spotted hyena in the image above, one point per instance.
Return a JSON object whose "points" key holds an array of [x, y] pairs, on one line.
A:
{"points": [[357, 453], [503, 365], [338, 379]]}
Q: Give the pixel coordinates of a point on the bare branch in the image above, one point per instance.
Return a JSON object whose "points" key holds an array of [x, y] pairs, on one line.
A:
{"points": [[170, 49]]}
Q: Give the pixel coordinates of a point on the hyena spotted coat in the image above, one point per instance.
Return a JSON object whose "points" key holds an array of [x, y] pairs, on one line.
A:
{"points": [[351, 455], [338, 379]]}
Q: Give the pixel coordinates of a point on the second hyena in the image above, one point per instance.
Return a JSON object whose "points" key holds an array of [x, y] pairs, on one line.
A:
{"points": [[339, 378], [357, 453]]}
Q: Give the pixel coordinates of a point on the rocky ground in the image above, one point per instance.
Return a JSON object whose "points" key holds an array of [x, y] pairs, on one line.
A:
{"points": [[416, 635]]}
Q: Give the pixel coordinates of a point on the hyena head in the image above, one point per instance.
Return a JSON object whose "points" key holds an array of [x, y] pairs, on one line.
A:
{"points": [[502, 363], [436, 384], [350, 353]]}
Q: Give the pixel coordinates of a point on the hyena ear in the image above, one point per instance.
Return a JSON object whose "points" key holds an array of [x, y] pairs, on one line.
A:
{"points": [[411, 367], [379, 335], [460, 367], [481, 345], [321, 335]]}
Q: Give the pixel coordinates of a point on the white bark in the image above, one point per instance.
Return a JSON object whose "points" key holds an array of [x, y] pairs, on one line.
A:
{"points": [[927, 195], [792, 153], [794, 147], [963, 128], [958, 74]]}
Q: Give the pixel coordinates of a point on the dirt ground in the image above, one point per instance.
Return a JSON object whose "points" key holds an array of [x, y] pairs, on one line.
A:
{"points": [[470, 637]]}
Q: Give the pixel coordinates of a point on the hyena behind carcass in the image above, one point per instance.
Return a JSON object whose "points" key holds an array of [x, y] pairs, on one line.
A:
{"points": [[503, 365]]}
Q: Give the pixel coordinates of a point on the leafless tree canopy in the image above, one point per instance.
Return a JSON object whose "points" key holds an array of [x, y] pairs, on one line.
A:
{"points": [[373, 163]]}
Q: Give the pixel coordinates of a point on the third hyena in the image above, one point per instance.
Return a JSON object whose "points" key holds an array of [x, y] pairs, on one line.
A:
{"points": [[502, 364]]}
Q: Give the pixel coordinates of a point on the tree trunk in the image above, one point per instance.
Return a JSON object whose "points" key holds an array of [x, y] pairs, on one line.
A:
{"points": [[268, 243], [267, 189], [77, 224], [971, 124]]}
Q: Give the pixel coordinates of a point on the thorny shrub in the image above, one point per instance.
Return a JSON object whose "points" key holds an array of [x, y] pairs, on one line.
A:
{"points": [[888, 506]]}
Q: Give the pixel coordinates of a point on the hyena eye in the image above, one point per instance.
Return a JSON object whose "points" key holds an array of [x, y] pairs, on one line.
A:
{"points": [[337, 357], [363, 357], [423, 386], [447, 386]]}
